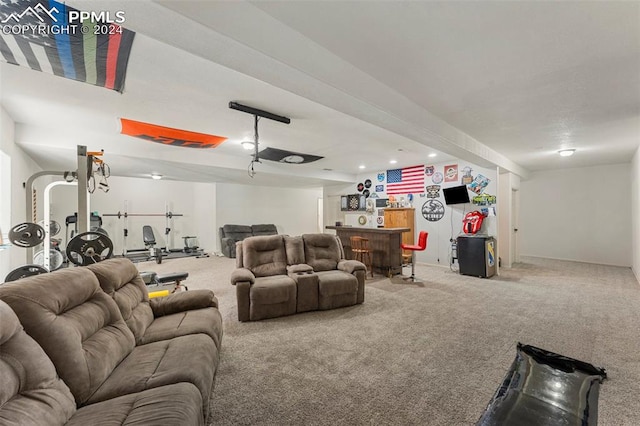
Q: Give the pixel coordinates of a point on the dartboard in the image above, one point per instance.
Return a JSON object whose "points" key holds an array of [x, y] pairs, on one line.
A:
{"points": [[433, 210], [354, 202]]}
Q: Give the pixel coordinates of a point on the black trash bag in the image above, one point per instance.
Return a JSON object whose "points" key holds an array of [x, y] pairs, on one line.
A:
{"points": [[543, 388]]}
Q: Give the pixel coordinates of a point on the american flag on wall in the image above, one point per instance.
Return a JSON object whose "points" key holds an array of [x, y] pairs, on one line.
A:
{"points": [[42, 35], [408, 180]]}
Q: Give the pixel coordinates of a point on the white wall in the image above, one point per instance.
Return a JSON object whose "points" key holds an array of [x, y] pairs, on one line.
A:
{"points": [[581, 214], [22, 167], [294, 211], [635, 213]]}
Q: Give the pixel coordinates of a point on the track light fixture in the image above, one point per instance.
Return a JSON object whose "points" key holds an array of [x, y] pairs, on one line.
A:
{"points": [[257, 113]]}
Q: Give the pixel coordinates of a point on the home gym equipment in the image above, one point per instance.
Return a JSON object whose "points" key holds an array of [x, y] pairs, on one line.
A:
{"points": [[83, 249], [168, 215], [150, 243], [26, 234], [89, 247], [25, 271], [151, 251], [155, 282], [95, 222]]}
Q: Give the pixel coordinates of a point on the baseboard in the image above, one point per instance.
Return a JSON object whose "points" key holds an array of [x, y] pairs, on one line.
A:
{"points": [[577, 261]]}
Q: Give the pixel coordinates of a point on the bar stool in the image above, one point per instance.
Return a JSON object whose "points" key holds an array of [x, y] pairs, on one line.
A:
{"points": [[422, 244], [361, 252]]}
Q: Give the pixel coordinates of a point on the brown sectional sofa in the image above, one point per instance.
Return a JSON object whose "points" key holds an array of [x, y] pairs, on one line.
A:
{"points": [[120, 358], [281, 275]]}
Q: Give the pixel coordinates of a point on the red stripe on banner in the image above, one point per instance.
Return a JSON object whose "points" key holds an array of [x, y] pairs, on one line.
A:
{"points": [[112, 60]]}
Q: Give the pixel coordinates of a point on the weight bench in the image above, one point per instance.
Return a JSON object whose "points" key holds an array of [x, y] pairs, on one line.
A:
{"points": [[151, 279], [149, 240]]}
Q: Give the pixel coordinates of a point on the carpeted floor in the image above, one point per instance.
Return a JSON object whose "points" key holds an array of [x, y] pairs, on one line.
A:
{"points": [[425, 354]]}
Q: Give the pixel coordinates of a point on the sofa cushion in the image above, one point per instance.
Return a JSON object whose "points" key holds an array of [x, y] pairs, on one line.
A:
{"points": [[321, 251], [237, 232], [158, 319], [264, 229], [295, 250], [77, 324], [120, 279], [333, 283], [265, 255], [31, 393], [272, 290], [172, 405], [272, 297], [193, 359], [207, 321]]}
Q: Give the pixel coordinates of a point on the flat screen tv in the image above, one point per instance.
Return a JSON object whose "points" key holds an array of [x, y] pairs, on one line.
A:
{"points": [[456, 195]]}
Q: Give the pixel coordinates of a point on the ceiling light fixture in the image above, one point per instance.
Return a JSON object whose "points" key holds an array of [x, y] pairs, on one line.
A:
{"points": [[566, 152], [361, 166], [156, 176], [292, 159], [257, 113], [433, 154], [248, 145], [393, 161]]}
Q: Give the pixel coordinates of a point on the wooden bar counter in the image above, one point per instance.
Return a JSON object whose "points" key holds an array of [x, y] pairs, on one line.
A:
{"points": [[384, 242]]}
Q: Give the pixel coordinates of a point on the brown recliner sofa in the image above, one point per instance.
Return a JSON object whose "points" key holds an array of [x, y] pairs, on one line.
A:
{"points": [[109, 378], [281, 275]]}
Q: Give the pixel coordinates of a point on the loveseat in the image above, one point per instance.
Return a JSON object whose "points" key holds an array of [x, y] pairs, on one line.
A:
{"points": [[154, 366], [231, 234], [282, 275]]}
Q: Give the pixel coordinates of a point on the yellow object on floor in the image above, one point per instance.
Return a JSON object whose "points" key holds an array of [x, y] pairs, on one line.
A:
{"points": [[161, 293]]}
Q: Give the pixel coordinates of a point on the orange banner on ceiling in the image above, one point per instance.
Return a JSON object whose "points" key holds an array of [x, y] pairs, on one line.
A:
{"points": [[168, 135]]}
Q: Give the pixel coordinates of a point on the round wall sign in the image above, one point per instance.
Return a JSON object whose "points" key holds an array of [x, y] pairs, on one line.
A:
{"points": [[437, 177], [433, 210]]}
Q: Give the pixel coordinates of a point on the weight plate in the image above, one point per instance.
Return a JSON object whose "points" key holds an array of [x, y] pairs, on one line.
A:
{"points": [[54, 227], [26, 234], [25, 271], [55, 259], [88, 248]]}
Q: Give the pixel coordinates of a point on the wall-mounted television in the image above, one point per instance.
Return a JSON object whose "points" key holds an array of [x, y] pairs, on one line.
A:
{"points": [[456, 195]]}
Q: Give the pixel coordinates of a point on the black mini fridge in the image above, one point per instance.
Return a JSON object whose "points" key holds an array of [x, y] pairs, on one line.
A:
{"points": [[477, 255]]}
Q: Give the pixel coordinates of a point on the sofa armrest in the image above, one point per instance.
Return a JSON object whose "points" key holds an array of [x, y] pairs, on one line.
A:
{"points": [[350, 266], [228, 247], [183, 301], [301, 267], [242, 275]]}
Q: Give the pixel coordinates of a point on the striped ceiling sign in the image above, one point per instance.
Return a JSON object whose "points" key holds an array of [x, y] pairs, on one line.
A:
{"points": [[48, 36]]}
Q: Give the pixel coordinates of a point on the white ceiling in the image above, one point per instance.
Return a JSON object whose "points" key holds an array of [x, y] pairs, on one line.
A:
{"points": [[495, 83]]}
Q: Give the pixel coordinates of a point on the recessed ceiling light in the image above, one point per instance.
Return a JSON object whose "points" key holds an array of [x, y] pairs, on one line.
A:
{"points": [[247, 144], [156, 176], [393, 161], [361, 166], [433, 154], [566, 152]]}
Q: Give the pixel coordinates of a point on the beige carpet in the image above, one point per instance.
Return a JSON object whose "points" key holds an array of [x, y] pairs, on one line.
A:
{"points": [[427, 354]]}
